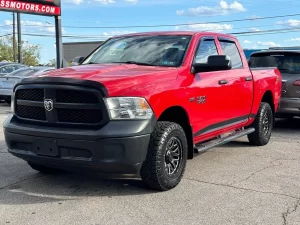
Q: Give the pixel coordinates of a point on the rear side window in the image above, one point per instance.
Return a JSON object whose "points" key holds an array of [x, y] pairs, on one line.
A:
{"points": [[229, 48], [206, 48], [285, 62]]}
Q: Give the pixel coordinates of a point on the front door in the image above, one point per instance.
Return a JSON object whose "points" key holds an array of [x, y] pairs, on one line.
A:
{"points": [[209, 103]]}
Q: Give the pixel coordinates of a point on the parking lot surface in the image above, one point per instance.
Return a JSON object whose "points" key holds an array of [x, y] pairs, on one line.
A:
{"points": [[232, 184]]}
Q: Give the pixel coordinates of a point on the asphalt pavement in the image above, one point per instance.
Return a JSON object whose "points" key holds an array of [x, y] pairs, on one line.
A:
{"points": [[232, 184]]}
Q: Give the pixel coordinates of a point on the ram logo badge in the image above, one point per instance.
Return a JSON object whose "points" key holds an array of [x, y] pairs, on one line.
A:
{"points": [[48, 103]]}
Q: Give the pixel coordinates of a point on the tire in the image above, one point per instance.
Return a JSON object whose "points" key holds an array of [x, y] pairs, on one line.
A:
{"points": [[158, 172], [43, 169], [263, 125]]}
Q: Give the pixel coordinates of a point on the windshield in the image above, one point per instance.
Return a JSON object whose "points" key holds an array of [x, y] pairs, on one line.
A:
{"points": [[143, 50], [285, 62]]}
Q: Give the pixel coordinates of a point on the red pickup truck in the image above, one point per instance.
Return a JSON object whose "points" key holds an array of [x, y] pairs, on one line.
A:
{"points": [[143, 104]]}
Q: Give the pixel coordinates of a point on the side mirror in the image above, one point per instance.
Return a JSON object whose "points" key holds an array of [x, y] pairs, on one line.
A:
{"points": [[214, 63], [77, 60], [81, 59]]}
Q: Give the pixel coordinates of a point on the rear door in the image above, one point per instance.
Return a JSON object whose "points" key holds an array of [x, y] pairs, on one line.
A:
{"points": [[239, 87]]}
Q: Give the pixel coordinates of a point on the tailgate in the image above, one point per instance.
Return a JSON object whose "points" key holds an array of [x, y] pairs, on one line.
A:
{"points": [[289, 89]]}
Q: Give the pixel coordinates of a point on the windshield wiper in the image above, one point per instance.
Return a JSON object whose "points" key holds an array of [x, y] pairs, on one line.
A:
{"points": [[136, 63]]}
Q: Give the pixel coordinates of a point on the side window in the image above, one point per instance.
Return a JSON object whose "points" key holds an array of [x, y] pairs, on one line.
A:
{"points": [[9, 68], [206, 48], [17, 67], [229, 48]]}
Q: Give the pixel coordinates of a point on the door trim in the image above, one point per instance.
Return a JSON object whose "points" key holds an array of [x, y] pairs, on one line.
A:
{"points": [[222, 125]]}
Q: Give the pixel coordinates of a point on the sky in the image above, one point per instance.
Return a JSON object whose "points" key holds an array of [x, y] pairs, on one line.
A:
{"points": [[92, 20]]}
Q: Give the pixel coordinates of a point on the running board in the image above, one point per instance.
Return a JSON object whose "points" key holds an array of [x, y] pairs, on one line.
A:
{"points": [[220, 141]]}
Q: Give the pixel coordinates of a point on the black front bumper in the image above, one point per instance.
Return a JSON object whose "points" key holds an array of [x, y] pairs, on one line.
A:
{"points": [[120, 147]]}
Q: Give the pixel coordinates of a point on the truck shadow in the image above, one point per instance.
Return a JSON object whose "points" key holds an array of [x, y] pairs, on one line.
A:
{"points": [[71, 186], [282, 128], [285, 124]]}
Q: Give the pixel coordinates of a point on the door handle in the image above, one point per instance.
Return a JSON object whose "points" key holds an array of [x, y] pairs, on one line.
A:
{"points": [[248, 78], [222, 82]]}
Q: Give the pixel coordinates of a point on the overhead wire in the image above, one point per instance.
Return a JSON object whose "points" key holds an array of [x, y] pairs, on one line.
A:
{"points": [[164, 25]]}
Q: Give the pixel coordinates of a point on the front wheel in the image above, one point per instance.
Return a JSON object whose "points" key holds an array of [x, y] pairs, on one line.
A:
{"points": [[166, 158], [263, 125]]}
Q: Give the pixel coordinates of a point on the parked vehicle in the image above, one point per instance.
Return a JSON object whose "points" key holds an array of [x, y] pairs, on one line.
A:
{"points": [[7, 82], [8, 67], [143, 104], [77, 60], [288, 62]]}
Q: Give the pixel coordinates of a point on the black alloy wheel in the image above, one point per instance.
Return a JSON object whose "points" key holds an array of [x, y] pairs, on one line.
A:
{"points": [[166, 157]]}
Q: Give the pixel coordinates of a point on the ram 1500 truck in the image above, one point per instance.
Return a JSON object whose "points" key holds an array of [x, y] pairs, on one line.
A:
{"points": [[143, 104]]}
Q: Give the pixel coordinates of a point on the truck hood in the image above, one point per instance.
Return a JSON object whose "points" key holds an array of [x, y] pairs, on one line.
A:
{"points": [[120, 79]]}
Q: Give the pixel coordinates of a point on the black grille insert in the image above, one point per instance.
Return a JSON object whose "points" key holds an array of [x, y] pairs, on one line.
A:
{"points": [[79, 116], [30, 94], [31, 112], [71, 96]]}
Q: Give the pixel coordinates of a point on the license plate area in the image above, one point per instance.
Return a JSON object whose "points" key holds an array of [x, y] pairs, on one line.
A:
{"points": [[46, 147]]}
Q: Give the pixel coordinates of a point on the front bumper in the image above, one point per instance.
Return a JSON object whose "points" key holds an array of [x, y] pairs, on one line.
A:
{"points": [[289, 106], [120, 147]]}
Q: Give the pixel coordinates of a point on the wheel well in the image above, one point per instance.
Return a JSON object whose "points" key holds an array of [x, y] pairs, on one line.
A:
{"points": [[268, 97], [178, 115]]}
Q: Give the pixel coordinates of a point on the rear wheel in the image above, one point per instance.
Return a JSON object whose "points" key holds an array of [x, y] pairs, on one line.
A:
{"points": [[43, 169], [166, 158], [263, 125]]}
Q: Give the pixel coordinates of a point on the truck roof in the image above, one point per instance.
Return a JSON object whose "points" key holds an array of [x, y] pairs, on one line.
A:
{"points": [[176, 33], [275, 51]]}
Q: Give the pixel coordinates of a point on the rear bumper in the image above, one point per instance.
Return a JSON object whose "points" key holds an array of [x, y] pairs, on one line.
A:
{"points": [[107, 150], [289, 106]]}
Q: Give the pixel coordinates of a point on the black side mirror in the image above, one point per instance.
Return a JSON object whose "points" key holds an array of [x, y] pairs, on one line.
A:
{"points": [[214, 63], [81, 59], [77, 60]]}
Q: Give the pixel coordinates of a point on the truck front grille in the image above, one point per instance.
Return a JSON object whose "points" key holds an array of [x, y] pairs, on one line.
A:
{"points": [[79, 115], [70, 96], [30, 94], [31, 112], [54, 104]]}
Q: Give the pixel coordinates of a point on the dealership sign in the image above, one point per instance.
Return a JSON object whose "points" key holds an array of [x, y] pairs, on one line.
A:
{"points": [[41, 7]]}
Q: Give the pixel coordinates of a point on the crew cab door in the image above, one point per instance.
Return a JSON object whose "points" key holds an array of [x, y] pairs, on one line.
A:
{"points": [[239, 83], [207, 101]]}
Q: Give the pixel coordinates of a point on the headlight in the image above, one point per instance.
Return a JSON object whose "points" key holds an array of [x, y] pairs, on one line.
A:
{"points": [[128, 108], [12, 103]]}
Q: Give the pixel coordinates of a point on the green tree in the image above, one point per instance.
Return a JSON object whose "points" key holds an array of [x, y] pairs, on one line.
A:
{"points": [[52, 62], [30, 53]]}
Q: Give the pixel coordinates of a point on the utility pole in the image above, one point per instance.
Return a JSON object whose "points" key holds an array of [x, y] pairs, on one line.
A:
{"points": [[58, 34], [19, 38], [14, 38]]}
